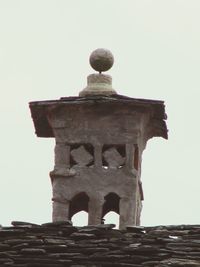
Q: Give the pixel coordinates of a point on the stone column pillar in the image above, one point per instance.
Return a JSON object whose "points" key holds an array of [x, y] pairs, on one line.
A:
{"points": [[95, 210], [98, 156], [62, 154], [127, 210], [60, 210], [130, 156]]}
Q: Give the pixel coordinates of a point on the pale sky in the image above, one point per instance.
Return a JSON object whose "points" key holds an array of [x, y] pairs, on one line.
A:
{"points": [[44, 50]]}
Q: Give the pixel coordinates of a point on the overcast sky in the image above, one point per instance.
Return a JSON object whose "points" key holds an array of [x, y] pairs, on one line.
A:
{"points": [[44, 50]]}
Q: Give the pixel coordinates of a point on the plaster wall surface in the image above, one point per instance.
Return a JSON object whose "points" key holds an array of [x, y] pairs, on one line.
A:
{"points": [[103, 123], [95, 150], [98, 153]]}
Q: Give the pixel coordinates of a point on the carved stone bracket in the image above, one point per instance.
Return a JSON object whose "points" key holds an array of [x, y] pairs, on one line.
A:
{"points": [[81, 156], [113, 158]]}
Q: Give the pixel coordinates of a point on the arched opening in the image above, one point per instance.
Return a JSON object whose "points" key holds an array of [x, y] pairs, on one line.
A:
{"points": [[112, 217], [111, 203], [78, 203], [80, 218], [111, 209]]}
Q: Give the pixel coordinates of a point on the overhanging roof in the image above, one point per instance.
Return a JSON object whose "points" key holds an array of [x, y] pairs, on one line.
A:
{"points": [[40, 109]]}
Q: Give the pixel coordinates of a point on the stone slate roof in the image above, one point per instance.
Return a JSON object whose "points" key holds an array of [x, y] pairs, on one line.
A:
{"points": [[61, 244], [40, 109]]}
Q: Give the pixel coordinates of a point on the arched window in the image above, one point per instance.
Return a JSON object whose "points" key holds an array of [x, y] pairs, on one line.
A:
{"points": [[80, 218], [78, 203], [111, 203], [112, 217]]}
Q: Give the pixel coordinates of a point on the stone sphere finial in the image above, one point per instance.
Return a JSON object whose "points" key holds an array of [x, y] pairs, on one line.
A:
{"points": [[101, 59], [98, 83]]}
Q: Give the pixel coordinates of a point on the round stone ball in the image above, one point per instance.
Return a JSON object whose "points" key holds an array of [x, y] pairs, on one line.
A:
{"points": [[101, 59]]}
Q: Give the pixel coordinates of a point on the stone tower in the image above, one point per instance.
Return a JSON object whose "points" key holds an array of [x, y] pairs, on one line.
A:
{"points": [[100, 137]]}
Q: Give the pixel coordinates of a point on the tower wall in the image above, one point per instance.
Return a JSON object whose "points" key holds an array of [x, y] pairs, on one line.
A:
{"points": [[100, 137], [95, 154]]}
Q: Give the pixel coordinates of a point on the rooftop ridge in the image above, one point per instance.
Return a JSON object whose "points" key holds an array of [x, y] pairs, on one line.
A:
{"points": [[61, 244]]}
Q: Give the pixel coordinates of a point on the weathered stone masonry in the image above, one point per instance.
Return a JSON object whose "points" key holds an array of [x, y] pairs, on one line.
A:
{"points": [[100, 137], [99, 145]]}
